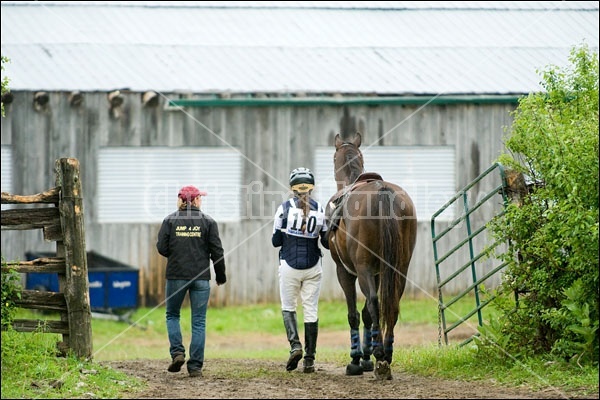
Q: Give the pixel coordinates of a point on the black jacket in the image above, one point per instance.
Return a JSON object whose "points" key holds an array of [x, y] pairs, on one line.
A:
{"points": [[190, 240]]}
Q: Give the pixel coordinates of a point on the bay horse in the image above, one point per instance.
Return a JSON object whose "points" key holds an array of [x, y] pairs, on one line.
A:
{"points": [[372, 235]]}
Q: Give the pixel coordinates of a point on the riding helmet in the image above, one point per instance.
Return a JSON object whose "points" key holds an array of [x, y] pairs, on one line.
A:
{"points": [[302, 180]]}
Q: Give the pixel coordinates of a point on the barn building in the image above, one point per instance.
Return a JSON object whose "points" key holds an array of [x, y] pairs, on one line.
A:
{"points": [[231, 96]]}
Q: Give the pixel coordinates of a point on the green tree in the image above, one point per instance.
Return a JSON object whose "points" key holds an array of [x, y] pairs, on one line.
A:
{"points": [[5, 81], [10, 279], [549, 295]]}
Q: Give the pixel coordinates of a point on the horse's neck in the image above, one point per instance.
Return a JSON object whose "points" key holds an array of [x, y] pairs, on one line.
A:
{"points": [[368, 177], [343, 183], [365, 177], [348, 179], [344, 189]]}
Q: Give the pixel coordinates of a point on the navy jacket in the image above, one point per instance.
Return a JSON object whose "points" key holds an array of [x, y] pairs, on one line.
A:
{"points": [[299, 247]]}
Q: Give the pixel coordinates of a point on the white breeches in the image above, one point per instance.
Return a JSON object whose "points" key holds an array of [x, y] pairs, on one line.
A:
{"points": [[305, 283]]}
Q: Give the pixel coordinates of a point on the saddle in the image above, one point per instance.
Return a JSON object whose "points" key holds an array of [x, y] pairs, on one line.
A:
{"points": [[335, 205]]}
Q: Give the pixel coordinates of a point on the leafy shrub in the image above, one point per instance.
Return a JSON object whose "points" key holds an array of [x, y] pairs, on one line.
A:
{"points": [[11, 290], [5, 81], [552, 262]]}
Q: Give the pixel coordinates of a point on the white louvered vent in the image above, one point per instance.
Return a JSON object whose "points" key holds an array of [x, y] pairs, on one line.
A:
{"points": [[140, 185], [6, 169], [426, 173], [7, 172]]}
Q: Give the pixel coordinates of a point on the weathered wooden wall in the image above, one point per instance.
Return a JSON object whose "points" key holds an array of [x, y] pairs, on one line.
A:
{"points": [[275, 138]]}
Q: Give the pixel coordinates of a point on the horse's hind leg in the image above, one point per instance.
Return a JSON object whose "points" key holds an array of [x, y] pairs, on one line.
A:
{"points": [[366, 362], [383, 369], [368, 285], [367, 347], [388, 341]]}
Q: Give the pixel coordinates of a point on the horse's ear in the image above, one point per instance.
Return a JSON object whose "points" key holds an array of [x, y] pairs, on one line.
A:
{"points": [[357, 139], [338, 141]]}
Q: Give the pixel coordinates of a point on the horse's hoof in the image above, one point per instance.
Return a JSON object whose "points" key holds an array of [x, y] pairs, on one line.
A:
{"points": [[367, 365], [353, 370], [383, 371]]}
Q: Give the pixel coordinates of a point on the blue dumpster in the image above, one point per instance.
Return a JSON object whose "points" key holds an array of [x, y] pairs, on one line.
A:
{"points": [[113, 285]]}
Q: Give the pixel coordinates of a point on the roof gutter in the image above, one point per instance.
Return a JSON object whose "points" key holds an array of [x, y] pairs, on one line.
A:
{"points": [[343, 101]]}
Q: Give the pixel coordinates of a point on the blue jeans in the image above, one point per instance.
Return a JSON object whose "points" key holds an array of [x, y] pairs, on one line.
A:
{"points": [[199, 291]]}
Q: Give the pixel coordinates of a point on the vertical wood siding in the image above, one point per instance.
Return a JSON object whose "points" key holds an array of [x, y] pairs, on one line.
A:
{"points": [[273, 140]]}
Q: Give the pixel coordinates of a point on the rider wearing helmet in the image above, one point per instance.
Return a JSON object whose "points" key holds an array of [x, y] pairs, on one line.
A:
{"points": [[298, 227]]}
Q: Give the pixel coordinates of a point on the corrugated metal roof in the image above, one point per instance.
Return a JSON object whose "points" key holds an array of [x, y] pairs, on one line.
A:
{"points": [[279, 47]]}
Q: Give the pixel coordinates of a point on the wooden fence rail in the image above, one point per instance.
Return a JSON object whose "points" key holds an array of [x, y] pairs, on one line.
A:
{"points": [[61, 222]]}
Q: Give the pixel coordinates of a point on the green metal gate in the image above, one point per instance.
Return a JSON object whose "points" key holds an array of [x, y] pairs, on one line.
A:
{"points": [[475, 202]]}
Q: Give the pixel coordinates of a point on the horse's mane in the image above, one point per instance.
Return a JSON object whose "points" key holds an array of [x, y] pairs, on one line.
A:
{"points": [[353, 162]]}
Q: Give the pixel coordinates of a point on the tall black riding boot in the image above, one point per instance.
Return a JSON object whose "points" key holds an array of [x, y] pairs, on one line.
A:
{"points": [[311, 331], [291, 328]]}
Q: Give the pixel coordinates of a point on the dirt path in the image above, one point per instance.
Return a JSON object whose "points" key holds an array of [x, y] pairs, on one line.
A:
{"points": [[268, 380], [246, 378]]}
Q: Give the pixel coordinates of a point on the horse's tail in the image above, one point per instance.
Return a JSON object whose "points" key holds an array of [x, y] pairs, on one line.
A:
{"points": [[390, 247]]}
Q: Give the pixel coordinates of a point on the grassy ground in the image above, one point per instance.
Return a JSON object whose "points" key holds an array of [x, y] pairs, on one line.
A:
{"points": [[30, 368], [149, 326]]}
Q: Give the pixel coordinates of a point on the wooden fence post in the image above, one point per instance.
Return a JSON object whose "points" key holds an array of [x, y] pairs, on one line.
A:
{"points": [[77, 287]]}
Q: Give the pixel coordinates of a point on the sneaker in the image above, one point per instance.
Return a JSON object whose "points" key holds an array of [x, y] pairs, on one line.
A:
{"points": [[176, 364], [197, 373]]}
